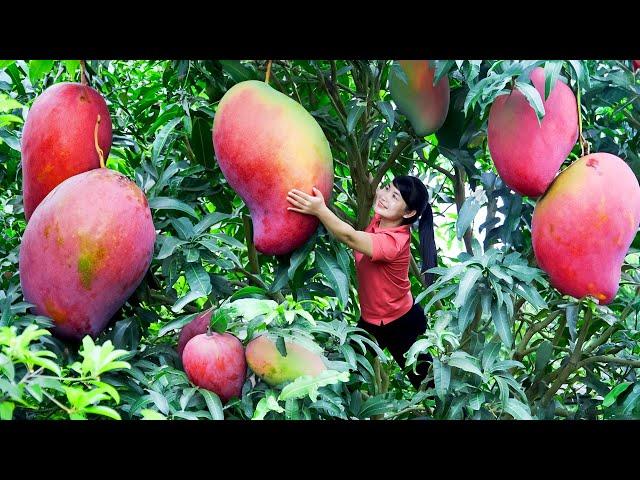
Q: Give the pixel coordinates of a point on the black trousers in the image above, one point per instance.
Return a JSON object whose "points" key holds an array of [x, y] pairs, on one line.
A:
{"points": [[399, 335]]}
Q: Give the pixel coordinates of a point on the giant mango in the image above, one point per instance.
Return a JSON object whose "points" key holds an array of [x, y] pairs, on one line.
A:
{"points": [[528, 154], [59, 139], [583, 226], [424, 104], [267, 144], [85, 250]]}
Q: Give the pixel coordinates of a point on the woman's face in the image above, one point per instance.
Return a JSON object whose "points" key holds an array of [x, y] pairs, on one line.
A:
{"points": [[389, 203]]}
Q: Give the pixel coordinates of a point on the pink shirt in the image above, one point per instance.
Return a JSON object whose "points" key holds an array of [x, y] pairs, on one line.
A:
{"points": [[383, 279]]}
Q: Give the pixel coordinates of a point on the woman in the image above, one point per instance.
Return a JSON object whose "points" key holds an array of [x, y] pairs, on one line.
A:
{"points": [[382, 255]]}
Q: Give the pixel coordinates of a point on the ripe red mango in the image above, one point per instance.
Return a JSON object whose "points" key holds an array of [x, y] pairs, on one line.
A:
{"points": [[266, 361], [583, 226], [85, 250], [216, 362], [58, 139], [527, 154], [195, 327], [636, 65], [267, 144], [424, 104]]}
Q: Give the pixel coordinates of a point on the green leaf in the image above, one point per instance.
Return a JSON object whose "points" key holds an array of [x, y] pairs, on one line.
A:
{"points": [[610, 398], [6, 410], [504, 390], [442, 69], [387, 111], [308, 385], [499, 273], [551, 73], [442, 377], [490, 354], [208, 221], [531, 295], [334, 274], [354, 114], [38, 69], [8, 104], [177, 324], [517, 409], [148, 414], [160, 401], [468, 281], [250, 308], [161, 138], [543, 354], [503, 327], [188, 298], [300, 255], [213, 404], [377, 405], [443, 293], [103, 411], [466, 362], [72, 67], [571, 314], [266, 405], [533, 97], [581, 72], [201, 142], [169, 244], [6, 63], [198, 278], [468, 212], [168, 203], [237, 71], [280, 345], [184, 227], [467, 311]]}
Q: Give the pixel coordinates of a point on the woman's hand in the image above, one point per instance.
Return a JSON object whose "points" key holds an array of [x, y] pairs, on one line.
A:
{"points": [[305, 203]]}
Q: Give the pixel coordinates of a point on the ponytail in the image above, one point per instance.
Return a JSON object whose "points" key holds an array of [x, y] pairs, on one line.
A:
{"points": [[416, 196], [427, 243]]}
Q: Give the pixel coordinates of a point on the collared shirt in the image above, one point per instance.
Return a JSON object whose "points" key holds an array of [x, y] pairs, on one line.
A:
{"points": [[383, 279]]}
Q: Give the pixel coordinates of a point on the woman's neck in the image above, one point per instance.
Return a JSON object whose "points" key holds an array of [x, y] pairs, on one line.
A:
{"points": [[385, 223]]}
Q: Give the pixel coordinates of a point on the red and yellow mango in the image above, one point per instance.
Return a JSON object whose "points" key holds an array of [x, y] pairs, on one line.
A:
{"points": [[424, 104], [59, 139], [528, 154], [85, 250], [266, 361], [267, 144], [583, 226]]}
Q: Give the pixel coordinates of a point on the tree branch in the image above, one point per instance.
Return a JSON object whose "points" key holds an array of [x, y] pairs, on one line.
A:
{"points": [[402, 144], [254, 265], [609, 359]]}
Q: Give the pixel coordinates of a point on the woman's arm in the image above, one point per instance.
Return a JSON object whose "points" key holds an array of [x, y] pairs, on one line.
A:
{"points": [[345, 233]]}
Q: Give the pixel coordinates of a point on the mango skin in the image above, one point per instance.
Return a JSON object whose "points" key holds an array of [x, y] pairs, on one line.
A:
{"points": [[198, 325], [267, 144], [266, 362], [216, 363], [582, 228], [58, 139], [636, 65], [85, 250], [425, 105], [528, 155]]}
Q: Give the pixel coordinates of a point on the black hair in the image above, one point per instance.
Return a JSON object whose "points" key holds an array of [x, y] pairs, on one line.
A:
{"points": [[416, 196]]}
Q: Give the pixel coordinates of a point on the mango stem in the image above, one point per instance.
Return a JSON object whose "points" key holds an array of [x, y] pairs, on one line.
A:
{"points": [[266, 78], [83, 72], [95, 139], [583, 142]]}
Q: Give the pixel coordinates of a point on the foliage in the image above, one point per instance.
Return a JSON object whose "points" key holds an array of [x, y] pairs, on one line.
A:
{"points": [[505, 344]]}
